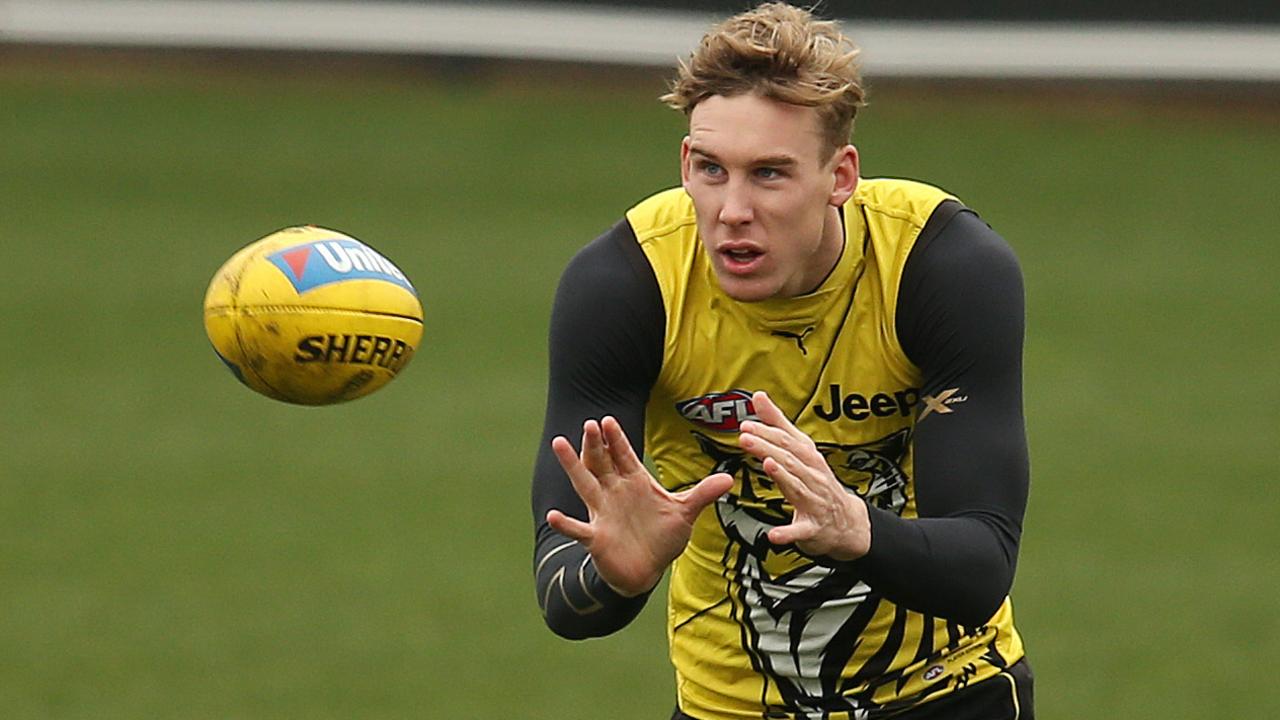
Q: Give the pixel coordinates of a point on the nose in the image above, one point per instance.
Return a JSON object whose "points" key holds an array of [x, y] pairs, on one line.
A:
{"points": [[736, 209]]}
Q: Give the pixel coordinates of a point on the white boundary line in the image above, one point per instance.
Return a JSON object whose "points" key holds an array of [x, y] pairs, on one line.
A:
{"points": [[638, 37]]}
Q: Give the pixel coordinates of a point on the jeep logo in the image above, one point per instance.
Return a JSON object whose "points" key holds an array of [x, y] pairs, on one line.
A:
{"points": [[860, 407]]}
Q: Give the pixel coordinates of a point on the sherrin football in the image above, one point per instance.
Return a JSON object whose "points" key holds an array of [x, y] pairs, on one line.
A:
{"points": [[311, 316]]}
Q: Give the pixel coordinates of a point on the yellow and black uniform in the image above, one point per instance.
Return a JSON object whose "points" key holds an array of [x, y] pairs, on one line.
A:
{"points": [[904, 366]]}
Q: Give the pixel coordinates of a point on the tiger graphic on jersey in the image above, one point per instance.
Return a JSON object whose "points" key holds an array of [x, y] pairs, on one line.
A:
{"points": [[796, 605]]}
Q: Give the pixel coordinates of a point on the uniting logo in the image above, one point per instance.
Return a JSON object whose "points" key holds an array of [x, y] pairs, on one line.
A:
{"points": [[722, 411], [323, 262]]}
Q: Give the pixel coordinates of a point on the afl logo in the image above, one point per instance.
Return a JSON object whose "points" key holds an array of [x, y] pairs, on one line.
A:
{"points": [[723, 411], [329, 261], [932, 672]]}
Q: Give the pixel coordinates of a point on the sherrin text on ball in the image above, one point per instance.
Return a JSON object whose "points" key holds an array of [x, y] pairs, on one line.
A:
{"points": [[312, 316]]}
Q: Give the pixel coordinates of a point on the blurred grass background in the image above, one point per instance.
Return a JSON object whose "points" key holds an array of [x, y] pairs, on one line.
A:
{"points": [[173, 546]]}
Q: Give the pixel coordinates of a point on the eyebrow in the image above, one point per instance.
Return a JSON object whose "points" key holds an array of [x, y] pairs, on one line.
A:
{"points": [[766, 161]]}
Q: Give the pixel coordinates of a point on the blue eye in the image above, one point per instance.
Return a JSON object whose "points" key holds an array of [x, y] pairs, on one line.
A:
{"points": [[711, 168], [768, 173]]}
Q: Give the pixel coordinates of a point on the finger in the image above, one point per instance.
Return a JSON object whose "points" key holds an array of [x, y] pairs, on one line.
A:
{"points": [[793, 533], [624, 457], [776, 428], [795, 465], [769, 413], [584, 482], [570, 527], [793, 487], [594, 453], [760, 446], [777, 436], [705, 492]]}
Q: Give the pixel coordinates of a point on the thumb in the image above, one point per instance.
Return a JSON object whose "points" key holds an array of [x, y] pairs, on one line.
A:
{"points": [[706, 491]]}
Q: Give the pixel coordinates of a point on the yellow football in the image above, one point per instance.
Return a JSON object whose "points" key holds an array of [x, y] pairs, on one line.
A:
{"points": [[312, 316]]}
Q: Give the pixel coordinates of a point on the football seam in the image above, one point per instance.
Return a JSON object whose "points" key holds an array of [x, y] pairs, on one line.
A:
{"points": [[239, 336], [305, 309]]}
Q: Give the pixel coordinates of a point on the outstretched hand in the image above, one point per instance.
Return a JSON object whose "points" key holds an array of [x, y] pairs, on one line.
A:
{"points": [[635, 527], [829, 520]]}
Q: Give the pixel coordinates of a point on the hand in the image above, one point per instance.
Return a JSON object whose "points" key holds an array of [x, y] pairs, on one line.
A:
{"points": [[828, 520], [635, 528]]}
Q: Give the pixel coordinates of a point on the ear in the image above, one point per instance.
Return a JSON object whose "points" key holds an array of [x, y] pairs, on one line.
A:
{"points": [[844, 174], [684, 162]]}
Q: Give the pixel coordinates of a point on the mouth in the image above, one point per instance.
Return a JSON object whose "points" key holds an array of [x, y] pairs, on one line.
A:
{"points": [[740, 260]]}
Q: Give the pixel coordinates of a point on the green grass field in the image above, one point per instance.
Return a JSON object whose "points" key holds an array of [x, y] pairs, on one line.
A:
{"points": [[174, 546]]}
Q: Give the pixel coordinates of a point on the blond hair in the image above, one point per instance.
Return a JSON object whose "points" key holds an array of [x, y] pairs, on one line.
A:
{"points": [[780, 52]]}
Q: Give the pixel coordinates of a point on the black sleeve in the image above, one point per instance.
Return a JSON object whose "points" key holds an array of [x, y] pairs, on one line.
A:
{"points": [[961, 321], [606, 336]]}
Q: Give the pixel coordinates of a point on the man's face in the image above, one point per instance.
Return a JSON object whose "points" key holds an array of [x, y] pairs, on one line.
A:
{"points": [[765, 194]]}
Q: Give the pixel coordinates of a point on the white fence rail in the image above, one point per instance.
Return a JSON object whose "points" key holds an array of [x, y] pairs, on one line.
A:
{"points": [[637, 37]]}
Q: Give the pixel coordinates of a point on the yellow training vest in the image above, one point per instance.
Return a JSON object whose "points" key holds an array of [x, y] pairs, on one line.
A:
{"points": [[758, 630]]}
